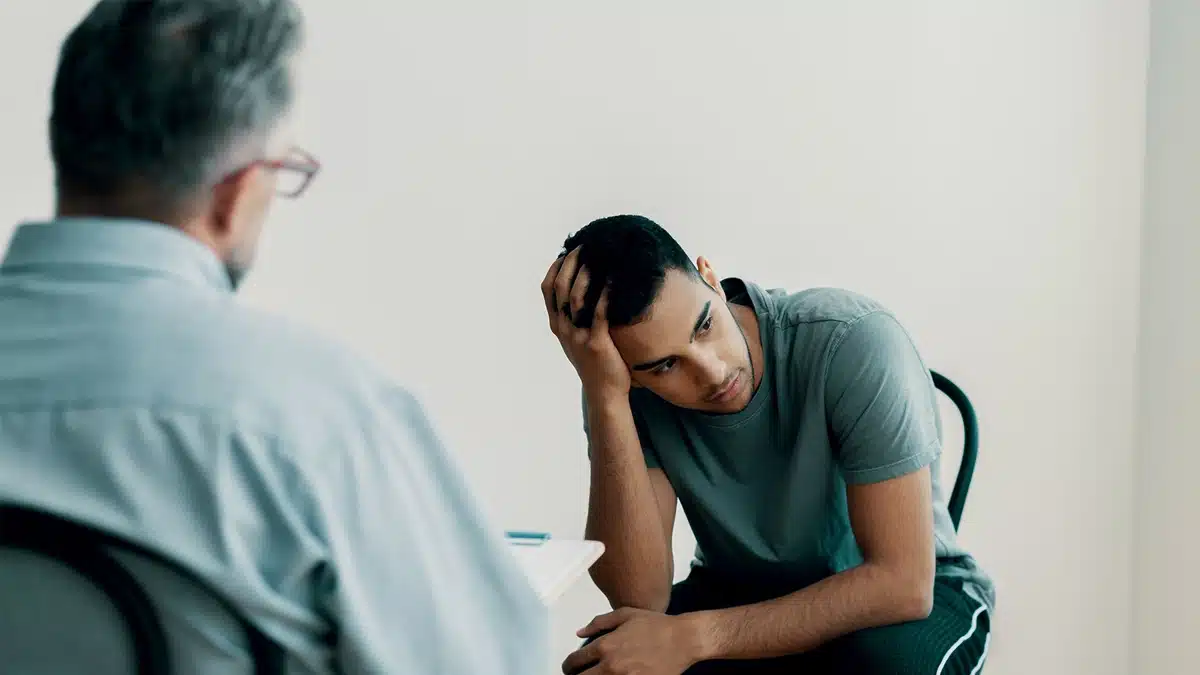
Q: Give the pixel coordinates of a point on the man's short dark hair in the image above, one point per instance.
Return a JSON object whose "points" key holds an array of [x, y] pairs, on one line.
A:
{"points": [[631, 255], [158, 93]]}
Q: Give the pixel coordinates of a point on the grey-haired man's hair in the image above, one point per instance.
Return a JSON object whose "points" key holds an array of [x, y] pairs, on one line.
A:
{"points": [[161, 94]]}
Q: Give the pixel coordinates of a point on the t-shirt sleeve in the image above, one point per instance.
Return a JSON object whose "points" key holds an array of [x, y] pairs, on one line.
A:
{"points": [[647, 450], [880, 402]]}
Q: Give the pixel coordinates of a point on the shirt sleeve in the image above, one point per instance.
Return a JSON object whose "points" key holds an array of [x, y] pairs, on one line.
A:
{"points": [[880, 402], [419, 581], [648, 451]]}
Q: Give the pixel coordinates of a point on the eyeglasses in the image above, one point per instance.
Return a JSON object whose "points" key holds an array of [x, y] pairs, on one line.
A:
{"points": [[295, 171]]}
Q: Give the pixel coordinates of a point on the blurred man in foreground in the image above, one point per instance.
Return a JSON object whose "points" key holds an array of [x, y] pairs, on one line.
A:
{"points": [[801, 434], [137, 397]]}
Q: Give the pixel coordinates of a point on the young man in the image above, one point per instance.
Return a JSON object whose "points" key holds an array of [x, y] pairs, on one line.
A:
{"points": [[801, 434], [138, 397]]}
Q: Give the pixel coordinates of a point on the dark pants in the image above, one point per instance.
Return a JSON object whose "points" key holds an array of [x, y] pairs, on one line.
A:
{"points": [[951, 641]]}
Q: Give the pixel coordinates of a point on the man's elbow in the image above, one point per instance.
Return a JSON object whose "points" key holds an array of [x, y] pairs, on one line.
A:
{"points": [[919, 606], [906, 590], [913, 596]]}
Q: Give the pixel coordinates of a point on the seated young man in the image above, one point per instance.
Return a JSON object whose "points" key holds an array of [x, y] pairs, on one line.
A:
{"points": [[801, 434]]}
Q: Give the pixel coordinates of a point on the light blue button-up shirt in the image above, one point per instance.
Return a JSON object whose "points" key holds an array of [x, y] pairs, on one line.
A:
{"points": [[136, 395]]}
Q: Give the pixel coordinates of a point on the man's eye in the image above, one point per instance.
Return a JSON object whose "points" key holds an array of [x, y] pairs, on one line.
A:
{"points": [[664, 367], [704, 327]]}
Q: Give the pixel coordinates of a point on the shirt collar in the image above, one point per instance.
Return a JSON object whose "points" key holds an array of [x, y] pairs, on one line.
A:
{"points": [[119, 243]]}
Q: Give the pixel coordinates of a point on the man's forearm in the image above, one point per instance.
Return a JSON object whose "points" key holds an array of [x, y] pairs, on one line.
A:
{"points": [[862, 597], [623, 513]]}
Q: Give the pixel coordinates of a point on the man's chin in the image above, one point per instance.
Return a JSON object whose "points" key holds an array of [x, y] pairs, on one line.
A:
{"points": [[724, 408], [734, 406]]}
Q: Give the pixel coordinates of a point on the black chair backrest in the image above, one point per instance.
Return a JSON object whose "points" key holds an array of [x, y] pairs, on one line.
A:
{"points": [[85, 551], [966, 467]]}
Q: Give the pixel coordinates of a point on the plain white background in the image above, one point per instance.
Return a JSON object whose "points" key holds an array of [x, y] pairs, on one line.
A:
{"points": [[979, 169]]}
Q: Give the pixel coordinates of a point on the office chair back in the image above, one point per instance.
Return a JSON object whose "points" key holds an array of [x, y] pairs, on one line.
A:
{"points": [[966, 467], [85, 552]]}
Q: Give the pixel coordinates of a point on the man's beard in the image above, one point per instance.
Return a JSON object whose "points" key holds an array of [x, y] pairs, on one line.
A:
{"points": [[235, 273], [238, 266]]}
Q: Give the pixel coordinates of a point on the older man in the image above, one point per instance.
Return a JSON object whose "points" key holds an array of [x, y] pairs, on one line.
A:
{"points": [[138, 398]]}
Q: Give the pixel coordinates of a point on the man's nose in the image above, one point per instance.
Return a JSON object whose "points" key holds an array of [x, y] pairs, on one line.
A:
{"points": [[710, 370]]}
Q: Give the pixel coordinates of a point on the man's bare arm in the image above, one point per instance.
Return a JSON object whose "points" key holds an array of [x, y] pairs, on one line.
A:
{"points": [[631, 509], [893, 523]]}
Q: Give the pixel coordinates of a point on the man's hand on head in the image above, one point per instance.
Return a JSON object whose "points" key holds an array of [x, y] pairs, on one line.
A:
{"points": [[637, 642], [589, 347]]}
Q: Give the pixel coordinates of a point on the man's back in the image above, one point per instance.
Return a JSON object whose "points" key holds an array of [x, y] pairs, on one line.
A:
{"points": [[136, 396]]}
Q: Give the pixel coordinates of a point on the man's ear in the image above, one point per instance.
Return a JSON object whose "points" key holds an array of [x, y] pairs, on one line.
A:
{"points": [[709, 275], [227, 197]]}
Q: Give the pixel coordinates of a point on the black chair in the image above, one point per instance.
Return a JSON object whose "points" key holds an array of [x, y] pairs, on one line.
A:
{"points": [[966, 468], [85, 551]]}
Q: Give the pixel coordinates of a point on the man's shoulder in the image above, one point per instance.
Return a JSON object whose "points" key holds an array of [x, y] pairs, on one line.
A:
{"points": [[259, 369], [318, 397], [820, 305], [279, 339], [284, 357]]}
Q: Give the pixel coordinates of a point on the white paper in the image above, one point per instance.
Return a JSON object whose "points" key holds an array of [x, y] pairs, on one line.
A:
{"points": [[556, 564]]}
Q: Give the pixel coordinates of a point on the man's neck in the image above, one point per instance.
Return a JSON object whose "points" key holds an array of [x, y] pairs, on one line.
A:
{"points": [[134, 208], [77, 207]]}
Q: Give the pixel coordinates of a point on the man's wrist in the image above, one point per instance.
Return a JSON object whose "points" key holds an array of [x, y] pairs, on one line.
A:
{"points": [[702, 639], [604, 400], [607, 408]]}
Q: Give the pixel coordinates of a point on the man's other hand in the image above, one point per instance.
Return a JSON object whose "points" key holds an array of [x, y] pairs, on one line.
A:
{"points": [[636, 642]]}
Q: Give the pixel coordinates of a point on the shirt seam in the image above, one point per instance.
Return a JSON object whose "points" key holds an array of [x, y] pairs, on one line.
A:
{"points": [[840, 338], [792, 322]]}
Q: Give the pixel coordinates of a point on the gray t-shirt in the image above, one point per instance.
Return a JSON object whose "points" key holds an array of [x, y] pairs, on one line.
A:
{"points": [[844, 398]]}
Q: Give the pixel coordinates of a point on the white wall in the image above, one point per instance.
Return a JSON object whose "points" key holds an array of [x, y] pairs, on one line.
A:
{"points": [[1166, 587], [977, 168]]}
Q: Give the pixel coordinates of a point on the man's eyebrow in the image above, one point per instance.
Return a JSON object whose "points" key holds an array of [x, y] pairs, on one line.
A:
{"points": [[651, 365], [700, 319]]}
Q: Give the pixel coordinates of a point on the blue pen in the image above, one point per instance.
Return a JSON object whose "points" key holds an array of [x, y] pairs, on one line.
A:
{"points": [[527, 538]]}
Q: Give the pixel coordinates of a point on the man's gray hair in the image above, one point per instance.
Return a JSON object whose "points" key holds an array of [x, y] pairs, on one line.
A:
{"points": [[161, 93]]}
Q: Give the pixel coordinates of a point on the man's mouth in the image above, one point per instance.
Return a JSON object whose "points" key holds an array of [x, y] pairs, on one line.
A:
{"points": [[727, 390]]}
